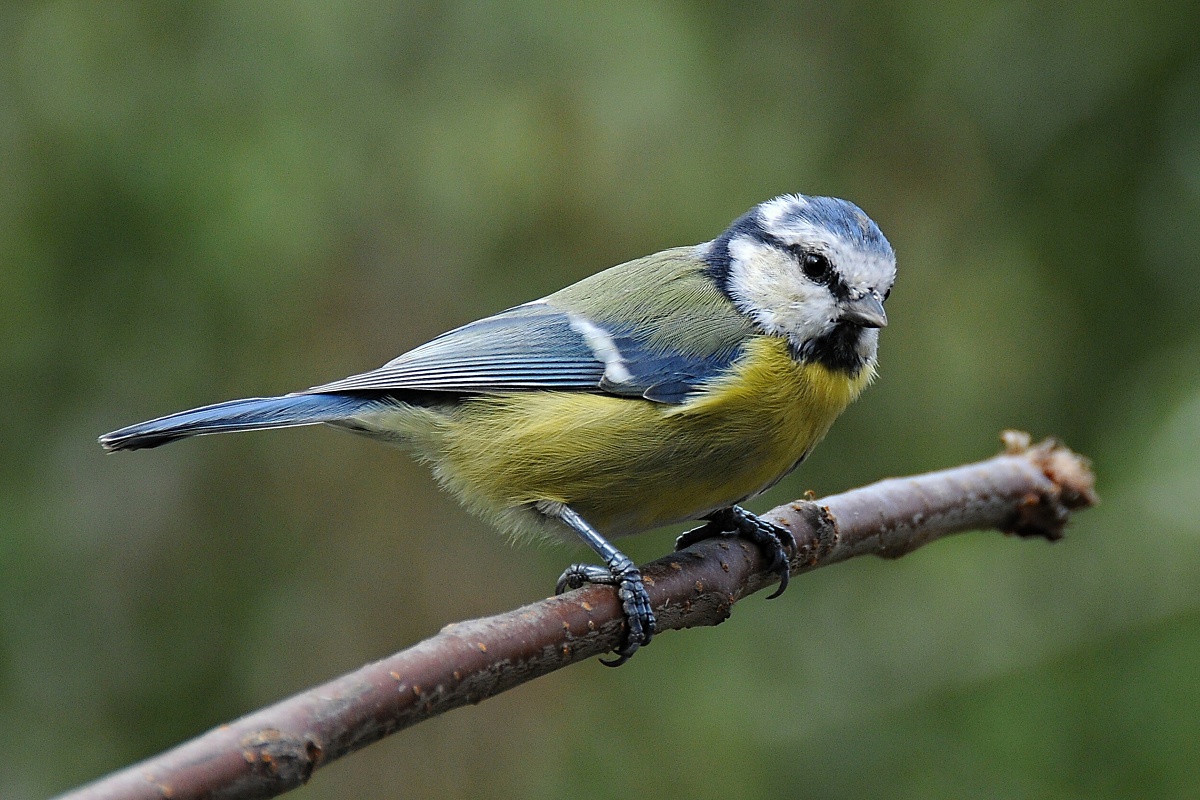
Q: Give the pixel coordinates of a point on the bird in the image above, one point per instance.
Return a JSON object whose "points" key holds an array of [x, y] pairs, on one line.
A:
{"points": [[669, 388]]}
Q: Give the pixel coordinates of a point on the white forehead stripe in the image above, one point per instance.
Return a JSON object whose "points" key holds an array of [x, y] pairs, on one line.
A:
{"points": [[779, 218], [603, 348], [772, 211], [859, 266]]}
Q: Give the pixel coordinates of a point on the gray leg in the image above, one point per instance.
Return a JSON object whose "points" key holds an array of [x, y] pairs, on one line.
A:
{"points": [[737, 521], [618, 570]]}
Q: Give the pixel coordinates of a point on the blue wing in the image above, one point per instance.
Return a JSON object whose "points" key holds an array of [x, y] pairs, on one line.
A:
{"points": [[538, 346]]}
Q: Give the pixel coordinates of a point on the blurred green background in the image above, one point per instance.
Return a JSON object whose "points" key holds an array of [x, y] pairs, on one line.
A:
{"points": [[210, 200]]}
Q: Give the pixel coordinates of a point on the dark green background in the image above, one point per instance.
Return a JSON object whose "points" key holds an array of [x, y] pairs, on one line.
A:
{"points": [[208, 200]]}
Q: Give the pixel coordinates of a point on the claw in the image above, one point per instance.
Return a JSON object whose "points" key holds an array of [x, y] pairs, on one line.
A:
{"points": [[631, 591], [578, 575], [773, 540], [708, 530], [639, 616], [619, 571]]}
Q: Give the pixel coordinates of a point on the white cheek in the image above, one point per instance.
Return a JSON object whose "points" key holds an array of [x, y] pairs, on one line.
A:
{"points": [[766, 285]]}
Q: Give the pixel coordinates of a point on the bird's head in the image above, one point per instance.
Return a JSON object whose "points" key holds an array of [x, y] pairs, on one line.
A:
{"points": [[813, 269]]}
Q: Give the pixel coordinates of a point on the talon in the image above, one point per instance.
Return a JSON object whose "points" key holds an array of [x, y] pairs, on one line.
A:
{"points": [[635, 603], [639, 616], [706, 531], [619, 571], [578, 575], [775, 541], [631, 591], [784, 576], [568, 581]]}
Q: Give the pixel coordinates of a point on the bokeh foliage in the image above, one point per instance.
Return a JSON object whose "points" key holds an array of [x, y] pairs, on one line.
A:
{"points": [[217, 199]]}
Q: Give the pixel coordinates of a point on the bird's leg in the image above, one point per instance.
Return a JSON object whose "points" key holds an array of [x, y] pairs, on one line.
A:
{"points": [[618, 571], [773, 540]]}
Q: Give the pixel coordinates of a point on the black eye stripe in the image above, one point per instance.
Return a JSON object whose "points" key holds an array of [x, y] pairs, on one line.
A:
{"points": [[720, 259], [827, 275], [815, 264]]}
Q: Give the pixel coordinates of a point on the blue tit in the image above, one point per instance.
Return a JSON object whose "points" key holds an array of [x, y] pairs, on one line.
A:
{"points": [[669, 388]]}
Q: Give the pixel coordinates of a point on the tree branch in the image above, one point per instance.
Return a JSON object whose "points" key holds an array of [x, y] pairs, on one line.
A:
{"points": [[1028, 491]]}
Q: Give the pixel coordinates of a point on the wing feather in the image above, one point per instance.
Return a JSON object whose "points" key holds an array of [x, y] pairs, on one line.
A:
{"points": [[528, 347], [659, 345]]}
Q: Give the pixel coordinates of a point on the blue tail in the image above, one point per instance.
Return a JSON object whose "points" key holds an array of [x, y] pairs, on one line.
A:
{"points": [[253, 413]]}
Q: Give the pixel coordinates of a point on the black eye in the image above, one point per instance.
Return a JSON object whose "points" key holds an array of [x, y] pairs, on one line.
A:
{"points": [[815, 266]]}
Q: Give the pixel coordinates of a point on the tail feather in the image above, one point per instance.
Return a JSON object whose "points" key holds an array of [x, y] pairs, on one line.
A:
{"points": [[252, 413]]}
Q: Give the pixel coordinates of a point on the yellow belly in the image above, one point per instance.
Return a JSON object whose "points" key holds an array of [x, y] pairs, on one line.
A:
{"points": [[629, 465]]}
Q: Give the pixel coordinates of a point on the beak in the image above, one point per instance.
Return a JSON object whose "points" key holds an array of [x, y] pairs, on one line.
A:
{"points": [[866, 311]]}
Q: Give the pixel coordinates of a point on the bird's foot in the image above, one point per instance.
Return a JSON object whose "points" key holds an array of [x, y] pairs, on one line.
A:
{"points": [[775, 541], [631, 591]]}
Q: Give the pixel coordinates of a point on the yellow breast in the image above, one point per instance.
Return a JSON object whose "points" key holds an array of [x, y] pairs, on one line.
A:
{"points": [[630, 465]]}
